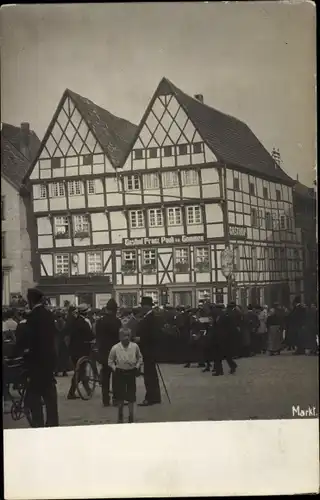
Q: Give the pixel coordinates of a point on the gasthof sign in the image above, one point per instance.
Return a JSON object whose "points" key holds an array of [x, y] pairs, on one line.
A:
{"points": [[164, 240], [237, 231]]}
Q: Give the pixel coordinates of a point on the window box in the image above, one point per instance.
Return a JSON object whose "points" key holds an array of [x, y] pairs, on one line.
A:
{"points": [[81, 234], [62, 236], [95, 273], [202, 267], [62, 273], [182, 267], [149, 268], [128, 268]]}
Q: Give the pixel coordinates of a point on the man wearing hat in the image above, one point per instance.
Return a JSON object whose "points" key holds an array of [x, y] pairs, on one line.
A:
{"points": [[146, 336], [107, 333], [38, 338], [80, 337]]}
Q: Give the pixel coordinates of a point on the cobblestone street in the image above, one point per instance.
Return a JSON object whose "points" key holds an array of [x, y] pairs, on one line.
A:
{"points": [[263, 387]]}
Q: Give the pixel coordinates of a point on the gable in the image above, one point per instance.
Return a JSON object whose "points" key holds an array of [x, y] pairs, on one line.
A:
{"points": [[166, 126]]}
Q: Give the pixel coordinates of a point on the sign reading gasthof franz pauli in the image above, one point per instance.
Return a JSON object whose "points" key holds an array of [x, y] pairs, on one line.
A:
{"points": [[164, 240]]}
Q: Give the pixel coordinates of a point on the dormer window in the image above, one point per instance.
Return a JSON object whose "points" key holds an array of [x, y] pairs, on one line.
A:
{"points": [[167, 151], [138, 154], [88, 159]]}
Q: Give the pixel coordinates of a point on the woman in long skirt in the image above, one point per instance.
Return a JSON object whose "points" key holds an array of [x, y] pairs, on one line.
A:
{"points": [[275, 331]]}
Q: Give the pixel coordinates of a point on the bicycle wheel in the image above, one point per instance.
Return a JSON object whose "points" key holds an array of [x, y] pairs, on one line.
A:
{"points": [[16, 411], [85, 378]]}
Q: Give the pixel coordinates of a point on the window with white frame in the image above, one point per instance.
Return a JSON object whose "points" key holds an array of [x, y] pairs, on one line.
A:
{"points": [[75, 188], [149, 259], [151, 181], [194, 215], [174, 216], [136, 219], [62, 263], [204, 295], [43, 191], [202, 258], [61, 226], [189, 177], [155, 217], [170, 179], [94, 262], [268, 219], [129, 260], [91, 186], [132, 182], [181, 259], [57, 189], [80, 224]]}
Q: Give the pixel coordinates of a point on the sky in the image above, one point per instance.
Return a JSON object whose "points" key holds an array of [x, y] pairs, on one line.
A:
{"points": [[255, 61]]}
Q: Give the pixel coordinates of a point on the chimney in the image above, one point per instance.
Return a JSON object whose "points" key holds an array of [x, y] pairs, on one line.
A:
{"points": [[24, 139], [199, 97]]}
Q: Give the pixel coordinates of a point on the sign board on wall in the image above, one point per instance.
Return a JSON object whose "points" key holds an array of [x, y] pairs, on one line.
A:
{"points": [[164, 240], [239, 232], [227, 262]]}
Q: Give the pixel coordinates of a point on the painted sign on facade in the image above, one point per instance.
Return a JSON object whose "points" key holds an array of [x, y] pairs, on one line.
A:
{"points": [[227, 262], [237, 231], [163, 240]]}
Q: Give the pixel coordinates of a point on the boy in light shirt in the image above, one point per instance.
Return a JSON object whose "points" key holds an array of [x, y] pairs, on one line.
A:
{"points": [[125, 360]]}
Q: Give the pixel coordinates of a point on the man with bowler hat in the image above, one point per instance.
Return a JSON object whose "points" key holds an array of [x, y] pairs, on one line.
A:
{"points": [[146, 336], [38, 338]]}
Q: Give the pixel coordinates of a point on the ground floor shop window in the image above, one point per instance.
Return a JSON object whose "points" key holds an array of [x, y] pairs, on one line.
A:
{"points": [[182, 299], [153, 294], [128, 299], [219, 296]]}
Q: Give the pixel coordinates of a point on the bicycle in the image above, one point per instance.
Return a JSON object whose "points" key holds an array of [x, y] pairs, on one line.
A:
{"points": [[15, 374], [87, 375]]}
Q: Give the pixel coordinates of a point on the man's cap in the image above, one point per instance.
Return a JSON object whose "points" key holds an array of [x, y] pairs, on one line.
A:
{"points": [[147, 301], [35, 294], [82, 308], [112, 305]]}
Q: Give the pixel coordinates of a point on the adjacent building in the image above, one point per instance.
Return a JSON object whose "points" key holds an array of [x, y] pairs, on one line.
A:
{"points": [[151, 209], [19, 146]]}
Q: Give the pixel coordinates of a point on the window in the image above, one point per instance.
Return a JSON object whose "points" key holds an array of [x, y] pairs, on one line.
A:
{"points": [[155, 217], [75, 188], [149, 260], [189, 177], [183, 149], [236, 184], [94, 262], [81, 224], [153, 294], [136, 218], [170, 179], [252, 189], [202, 259], [265, 193], [3, 245], [91, 186], [236, 258], [88, 159], [219, 296], [194, 215], [138, 154], [62, 263], [204, 294], [128, 299], [151, 181], [167, 151], [129, 259], [282, 222], [182, 259], [2, 208], [55, 162], [133, 182], [61, 226], [268, 220], [197, 148], [43, 191], [174, 216], [254, 217], [57, 189], [278, 194], [254, 259], [153, 152]]}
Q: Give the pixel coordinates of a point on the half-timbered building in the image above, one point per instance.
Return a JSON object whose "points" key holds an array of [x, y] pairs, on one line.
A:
{"points": [[75, 192], [196, 181]]}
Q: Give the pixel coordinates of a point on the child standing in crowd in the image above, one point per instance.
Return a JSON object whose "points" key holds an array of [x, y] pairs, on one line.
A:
{"points": [[125, 360]]}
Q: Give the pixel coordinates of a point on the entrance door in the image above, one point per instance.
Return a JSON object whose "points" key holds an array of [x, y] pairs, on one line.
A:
{"points": [[182, 299]]}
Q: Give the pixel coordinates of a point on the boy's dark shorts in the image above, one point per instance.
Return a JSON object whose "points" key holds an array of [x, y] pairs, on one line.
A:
{"points": [[125, 381]]}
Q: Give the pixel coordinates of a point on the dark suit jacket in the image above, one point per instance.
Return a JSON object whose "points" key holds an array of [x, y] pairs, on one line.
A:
{"points": [[38, 337], [148, 331], [80, 337], [107, 334]]}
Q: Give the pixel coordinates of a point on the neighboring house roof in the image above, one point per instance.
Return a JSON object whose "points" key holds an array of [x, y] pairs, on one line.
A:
{"points": [[230, 139], [303, 191], [113, 133], [14, 164]]}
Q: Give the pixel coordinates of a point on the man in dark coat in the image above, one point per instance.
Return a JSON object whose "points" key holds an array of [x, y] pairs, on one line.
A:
{"points": [[146, 336], [107, 334], [224, 335], [81, 336], [296, 320], [38, 338]]}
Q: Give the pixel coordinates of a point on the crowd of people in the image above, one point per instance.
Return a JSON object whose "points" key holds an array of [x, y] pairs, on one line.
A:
{"points": [[125, 338]]}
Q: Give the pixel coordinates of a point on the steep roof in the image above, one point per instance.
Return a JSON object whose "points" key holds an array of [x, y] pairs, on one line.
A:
{"points": [[14, 164], [303, 191], [230, 139]]}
